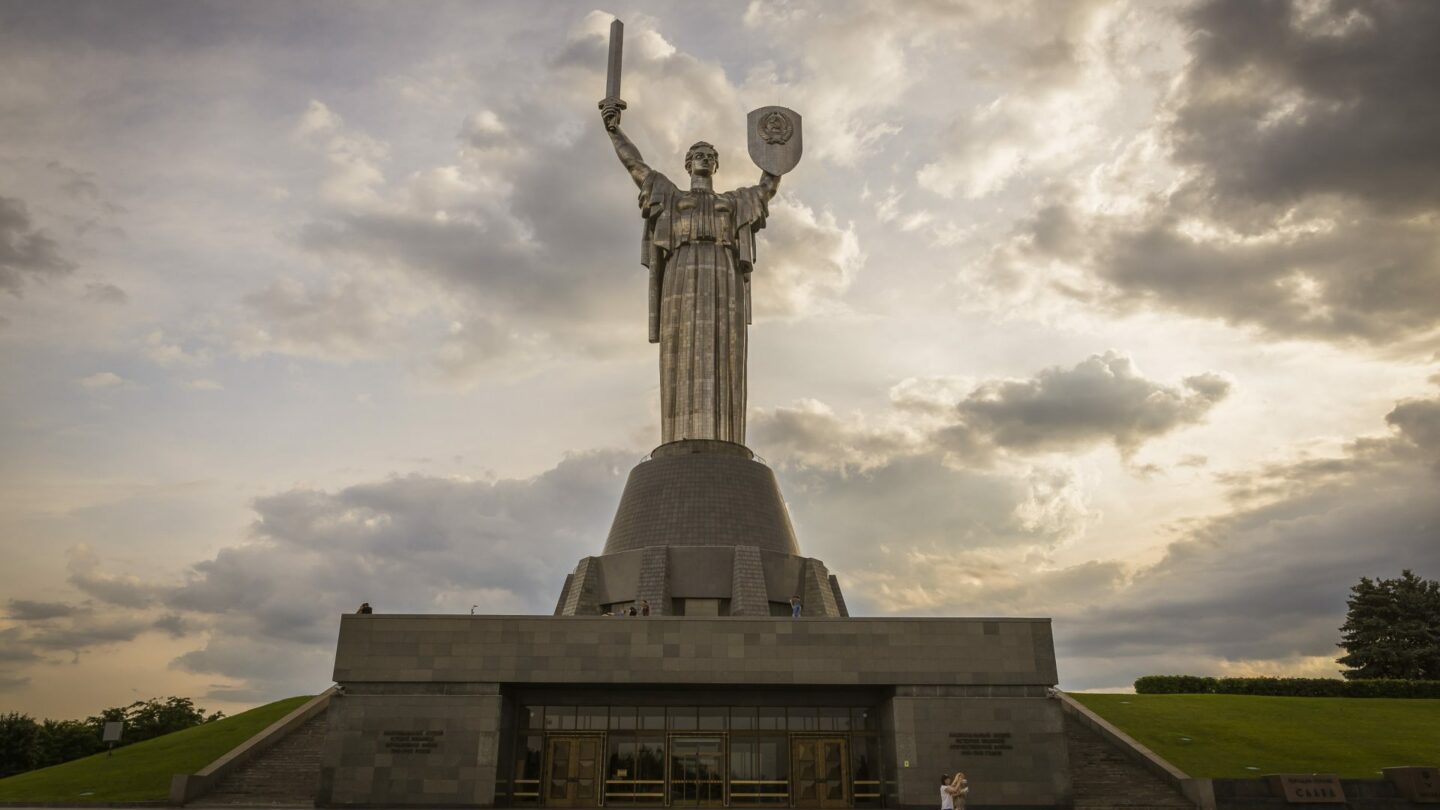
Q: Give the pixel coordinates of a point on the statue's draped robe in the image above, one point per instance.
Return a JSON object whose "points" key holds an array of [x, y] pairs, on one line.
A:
{"points": [[700, 248]]}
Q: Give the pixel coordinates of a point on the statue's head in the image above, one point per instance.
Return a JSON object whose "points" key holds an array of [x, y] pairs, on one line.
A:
{"points": [[702, 159]]}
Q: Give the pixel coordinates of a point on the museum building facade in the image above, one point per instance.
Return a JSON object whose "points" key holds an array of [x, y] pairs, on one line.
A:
{"points": [[718, 698]]}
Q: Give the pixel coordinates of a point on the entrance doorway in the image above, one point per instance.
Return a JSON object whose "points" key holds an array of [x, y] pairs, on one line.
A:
{"points": [[818, 766], [697, 771], [573, 776]]}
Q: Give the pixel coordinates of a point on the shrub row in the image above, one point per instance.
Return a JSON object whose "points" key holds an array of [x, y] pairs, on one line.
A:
{"points": [[1285, 687]]}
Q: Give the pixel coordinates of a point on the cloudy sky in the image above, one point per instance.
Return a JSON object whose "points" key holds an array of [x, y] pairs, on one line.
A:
{"points": [[1122, 313]]}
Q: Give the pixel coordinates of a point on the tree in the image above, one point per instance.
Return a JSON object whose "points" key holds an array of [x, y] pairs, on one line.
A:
{"points": [[1392, 629], [26, 744], [146, 719], [63, 740], [18, 733]]}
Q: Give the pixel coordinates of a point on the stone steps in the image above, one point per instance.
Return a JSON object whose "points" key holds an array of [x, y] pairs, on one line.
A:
{"points": [[1104, 778], [285, 775]]}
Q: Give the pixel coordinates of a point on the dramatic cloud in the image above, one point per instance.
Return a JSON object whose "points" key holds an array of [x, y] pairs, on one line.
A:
{"points": [[27, 610], [1062, 65], [1268, 582], [123, 591], [407, 545], [1104, 399], [1285, 101], [928, 472], [26, 253], [1289, 184], [1257, 590], [807, 261]]}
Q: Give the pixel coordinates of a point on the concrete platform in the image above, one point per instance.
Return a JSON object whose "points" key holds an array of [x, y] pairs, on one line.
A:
{"points": [[480, 711]]}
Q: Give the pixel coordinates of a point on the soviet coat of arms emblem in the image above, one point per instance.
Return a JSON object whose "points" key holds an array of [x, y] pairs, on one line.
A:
{"points": [[774, 141], [775, 127]]}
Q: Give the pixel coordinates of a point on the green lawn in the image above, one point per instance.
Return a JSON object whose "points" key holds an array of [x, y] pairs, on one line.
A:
{"points": [[1247, 735], [141, 772]]}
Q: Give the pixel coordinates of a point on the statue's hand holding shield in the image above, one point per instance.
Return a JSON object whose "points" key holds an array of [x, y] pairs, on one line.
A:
{"points": [[774, 139]]}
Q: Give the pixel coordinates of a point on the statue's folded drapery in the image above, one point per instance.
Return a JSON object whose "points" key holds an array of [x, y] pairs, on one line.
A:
{"points": [[700, 248]]}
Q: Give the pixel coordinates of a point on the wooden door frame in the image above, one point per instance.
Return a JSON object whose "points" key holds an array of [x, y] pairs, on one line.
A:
{"points": [[817, 739], [546, 770]]}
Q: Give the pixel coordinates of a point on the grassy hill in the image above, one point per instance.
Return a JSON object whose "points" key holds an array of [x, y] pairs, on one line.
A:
{"points": [[141, 772], [1243, 736]]}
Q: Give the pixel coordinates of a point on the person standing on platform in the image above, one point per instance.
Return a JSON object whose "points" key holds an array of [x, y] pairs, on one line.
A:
{"points": [[644, 607], [795, 607]]}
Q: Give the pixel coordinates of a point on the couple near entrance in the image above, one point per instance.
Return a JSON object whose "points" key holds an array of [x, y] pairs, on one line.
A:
{"points": [[952, 791]]}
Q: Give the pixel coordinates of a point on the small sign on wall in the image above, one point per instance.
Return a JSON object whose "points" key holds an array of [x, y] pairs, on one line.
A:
{"points": [[412, 742], [1315, 788]]}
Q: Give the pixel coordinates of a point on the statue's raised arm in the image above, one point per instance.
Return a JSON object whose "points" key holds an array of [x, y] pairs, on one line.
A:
{"points": [[625, 149]]}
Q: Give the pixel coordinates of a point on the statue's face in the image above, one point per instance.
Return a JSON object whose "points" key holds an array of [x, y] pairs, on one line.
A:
{"points": [[702, 162]]}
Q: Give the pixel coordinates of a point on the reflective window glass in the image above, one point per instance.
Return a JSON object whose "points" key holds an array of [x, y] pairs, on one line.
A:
{"points": [[682, 718], [559, 718], [865, 769], [742, 718], [803, 719], [650, 758], [861, 719], [713, 718], [530, 752], [832, 719], [759, 770], [622, 718], [531, 717], [591, 718], [652, 718], [770, 718]]}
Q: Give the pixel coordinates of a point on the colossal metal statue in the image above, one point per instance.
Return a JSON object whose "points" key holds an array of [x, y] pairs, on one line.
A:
{"points": [[700, 248], [701, 528]]}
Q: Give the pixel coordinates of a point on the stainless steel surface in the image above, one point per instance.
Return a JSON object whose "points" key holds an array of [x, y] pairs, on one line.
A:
{"points": [[699, 246]]}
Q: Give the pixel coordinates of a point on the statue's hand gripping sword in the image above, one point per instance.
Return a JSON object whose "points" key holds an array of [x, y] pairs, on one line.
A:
{"points": [[612, 100]]}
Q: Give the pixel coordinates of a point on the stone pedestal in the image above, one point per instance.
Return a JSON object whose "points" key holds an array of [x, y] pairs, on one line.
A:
{"points": [[701, 530]]}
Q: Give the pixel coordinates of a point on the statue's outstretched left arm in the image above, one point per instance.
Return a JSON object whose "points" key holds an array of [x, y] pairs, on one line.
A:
{"points": [[769, 184]]}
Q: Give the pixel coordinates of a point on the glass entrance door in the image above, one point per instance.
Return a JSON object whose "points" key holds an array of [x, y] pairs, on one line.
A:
{"points": [[635, 771], [573, 775], [818, 771], [697, 771]]}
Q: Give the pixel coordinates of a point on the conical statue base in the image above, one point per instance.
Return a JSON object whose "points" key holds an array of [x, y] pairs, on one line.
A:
{"points": [[701, 530]]}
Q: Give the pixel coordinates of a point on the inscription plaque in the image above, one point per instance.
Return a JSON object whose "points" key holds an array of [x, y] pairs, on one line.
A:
{"points": [[412, 742], [1418, 784], [980, 743], [1315, 788]]}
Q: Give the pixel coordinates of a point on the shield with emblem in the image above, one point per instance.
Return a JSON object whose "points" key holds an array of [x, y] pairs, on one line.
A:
{"points": [[774, 139]]}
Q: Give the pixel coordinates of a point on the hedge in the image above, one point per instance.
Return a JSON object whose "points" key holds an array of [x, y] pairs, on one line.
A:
{"points": [[1285, 687]]}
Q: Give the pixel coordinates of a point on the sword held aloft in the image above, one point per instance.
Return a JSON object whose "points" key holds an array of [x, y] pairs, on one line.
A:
{"points": [[612, 98]]}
